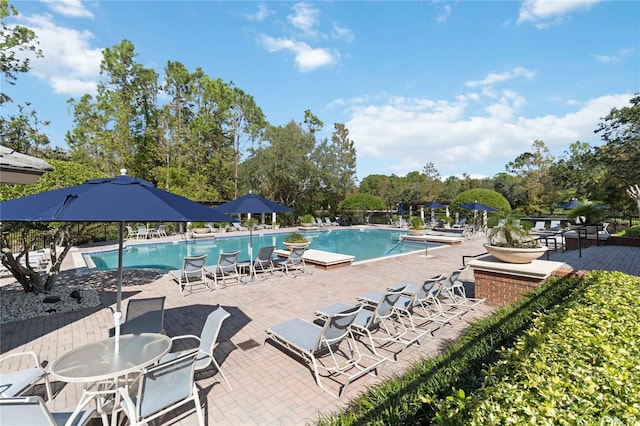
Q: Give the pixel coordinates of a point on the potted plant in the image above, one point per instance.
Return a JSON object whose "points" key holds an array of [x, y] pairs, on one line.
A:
{"points": [[448, 221], [587, 214], [296, 239], [416, 226], [511, 243], [307, 220]]}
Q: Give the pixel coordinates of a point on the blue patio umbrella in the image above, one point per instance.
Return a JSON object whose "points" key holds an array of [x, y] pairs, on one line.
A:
{"points": [[251, 203], [434, 205], [573, 204], [400, 209], [477, 207], [120, 199]]}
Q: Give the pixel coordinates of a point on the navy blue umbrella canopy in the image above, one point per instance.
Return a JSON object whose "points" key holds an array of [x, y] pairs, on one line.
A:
{"points": [[252, 203], [573, 204], [400, 209], [434, 205], [476, 206], [120, 199]]}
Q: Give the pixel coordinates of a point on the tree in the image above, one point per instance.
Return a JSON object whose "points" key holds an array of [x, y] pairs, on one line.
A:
{"points": [[534, 167], [634, 192], [63, 235], [361, 204], [620, 156]]}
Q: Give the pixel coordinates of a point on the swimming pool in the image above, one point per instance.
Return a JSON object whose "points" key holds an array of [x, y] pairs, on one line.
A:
{"points": [[364, 244]]}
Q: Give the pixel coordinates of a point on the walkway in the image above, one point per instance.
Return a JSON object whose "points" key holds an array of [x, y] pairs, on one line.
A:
{"points": [[269, 386]]}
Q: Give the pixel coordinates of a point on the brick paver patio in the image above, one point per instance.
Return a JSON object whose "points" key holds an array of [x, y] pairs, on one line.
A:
{"points": [[269, 386]]}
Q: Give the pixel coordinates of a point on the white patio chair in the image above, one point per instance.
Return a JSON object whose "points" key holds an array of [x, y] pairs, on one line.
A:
{"points": [[143, 232], [193, 272], [131, 233], [264, 260], [160, 390], [330, 349], [31, 410], [227, 267], [239, 227], [207, 342], [453, 293], [16, 383]]}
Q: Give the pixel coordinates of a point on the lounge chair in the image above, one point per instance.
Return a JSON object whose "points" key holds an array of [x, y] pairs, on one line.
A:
{"points": [[160, 231], [16, 383], [239, 227], [144, 316], [328, 222], [381, 322], [430, 308], [160, 390], [264, 260], [323, 347], [131, 233], [31, 410], [143, 232], [555, 225], [539, 226], [294, 262], [207, 341], [414, 296], [319, 222], [454, 294], [227, 267], [193, 272], [460, 224]]}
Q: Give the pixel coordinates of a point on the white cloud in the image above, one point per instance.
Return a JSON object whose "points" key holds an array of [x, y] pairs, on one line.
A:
{"points": [[548, 12], [307, 58], [619, 56], [494, 78], [409, 133], [342, 33], [70, 65], [444, 13], [71, 8], [305, 18], [261, 14]]}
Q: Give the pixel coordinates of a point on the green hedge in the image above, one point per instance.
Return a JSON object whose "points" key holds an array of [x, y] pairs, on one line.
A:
{"points": [[579, 364]]}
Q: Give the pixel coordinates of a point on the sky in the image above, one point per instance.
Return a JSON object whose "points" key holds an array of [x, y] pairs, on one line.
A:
{"points": [[465, 85]]}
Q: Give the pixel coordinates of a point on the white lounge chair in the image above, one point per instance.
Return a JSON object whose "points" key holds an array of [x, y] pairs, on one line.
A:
{"points": [[239, 227], [264, 260], [330, 348], [226, 268], [539, 226], [294, 262], [206, 342], [193, 272]]}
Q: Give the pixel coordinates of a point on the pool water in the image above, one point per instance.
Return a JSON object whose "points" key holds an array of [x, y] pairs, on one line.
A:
{"points": [[364, 244]]}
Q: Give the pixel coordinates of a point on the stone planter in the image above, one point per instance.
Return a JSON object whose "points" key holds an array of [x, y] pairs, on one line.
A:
{"points": [[416, 232], [307, 224], [294, 245], [515, 255]]}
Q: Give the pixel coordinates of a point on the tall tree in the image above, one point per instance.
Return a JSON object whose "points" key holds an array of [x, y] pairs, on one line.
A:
{"points": [[534, 168], [620, 129]]}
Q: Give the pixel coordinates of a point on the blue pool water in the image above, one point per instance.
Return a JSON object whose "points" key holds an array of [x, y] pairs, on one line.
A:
{"points": [[364, 244]]}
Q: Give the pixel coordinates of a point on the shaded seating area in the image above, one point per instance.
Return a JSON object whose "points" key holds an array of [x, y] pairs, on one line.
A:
{"points": [[193, 272], [330, 349]]}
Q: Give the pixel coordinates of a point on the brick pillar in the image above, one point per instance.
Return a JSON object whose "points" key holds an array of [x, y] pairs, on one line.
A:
{"points": [[500, 289]]}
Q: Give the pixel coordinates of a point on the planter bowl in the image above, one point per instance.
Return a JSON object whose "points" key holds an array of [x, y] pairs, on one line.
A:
{"points": [[307, 224], [294, 245], [515, 255], [416, 232]]}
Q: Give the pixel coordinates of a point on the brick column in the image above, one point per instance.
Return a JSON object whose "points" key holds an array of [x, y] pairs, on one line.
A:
{"points": [[500, 289]]}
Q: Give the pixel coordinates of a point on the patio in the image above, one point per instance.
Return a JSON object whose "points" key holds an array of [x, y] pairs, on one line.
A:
{"points": [[269, 385]]}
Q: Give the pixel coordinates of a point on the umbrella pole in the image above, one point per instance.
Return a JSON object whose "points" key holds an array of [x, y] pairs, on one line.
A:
{"points": [[117, 315]]}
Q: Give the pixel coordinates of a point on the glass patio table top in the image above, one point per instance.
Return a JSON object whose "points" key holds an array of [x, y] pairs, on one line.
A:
{"points": [[98, 360]]}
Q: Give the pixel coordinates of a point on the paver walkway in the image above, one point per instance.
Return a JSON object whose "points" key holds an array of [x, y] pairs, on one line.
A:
{"points": [[269, 386]]}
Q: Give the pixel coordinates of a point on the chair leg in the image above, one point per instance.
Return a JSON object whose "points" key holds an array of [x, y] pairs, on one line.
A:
{"points": [[196, 398], [220, 371]]}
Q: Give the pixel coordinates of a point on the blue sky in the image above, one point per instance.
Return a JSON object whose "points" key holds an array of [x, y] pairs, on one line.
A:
{"points": [[466, 85]]}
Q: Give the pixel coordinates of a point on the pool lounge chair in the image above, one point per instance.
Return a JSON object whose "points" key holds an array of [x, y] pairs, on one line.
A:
{"points": [[193, 272], [294, 263], [328, 222], [413, 298], [264, 260], [330, 349], [239, 227], [226, 268], [452, 292], [539, 226]]}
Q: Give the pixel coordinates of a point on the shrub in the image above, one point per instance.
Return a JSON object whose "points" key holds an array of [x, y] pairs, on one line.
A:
{"points": [[485, 196], [633, 232], [416, 222], [295, 237], [307, 218]]}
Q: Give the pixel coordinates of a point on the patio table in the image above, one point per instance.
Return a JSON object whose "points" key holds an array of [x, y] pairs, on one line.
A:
{"points": [[97, 362]]}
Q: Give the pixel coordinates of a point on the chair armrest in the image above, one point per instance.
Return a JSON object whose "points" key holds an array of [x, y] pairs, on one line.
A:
{"points": [[185, 337], [27, 353]]}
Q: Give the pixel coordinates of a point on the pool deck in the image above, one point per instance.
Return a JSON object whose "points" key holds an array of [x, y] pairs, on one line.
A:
{"points": [[269, 386]]}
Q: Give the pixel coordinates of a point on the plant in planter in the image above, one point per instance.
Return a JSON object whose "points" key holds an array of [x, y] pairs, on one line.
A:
{"points": [[296, 239], [512, 243], [251, 223], [448, 221], [307, 220], [589, 214], [416, 225]]}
